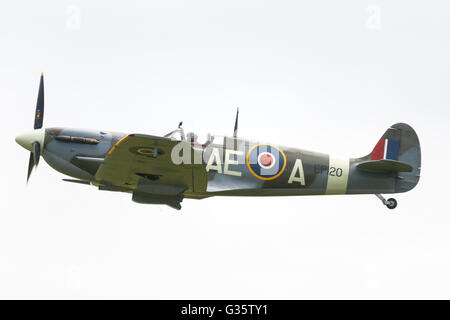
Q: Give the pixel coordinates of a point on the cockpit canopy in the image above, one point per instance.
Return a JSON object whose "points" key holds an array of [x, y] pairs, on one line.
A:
{"points": [[191, 137]]}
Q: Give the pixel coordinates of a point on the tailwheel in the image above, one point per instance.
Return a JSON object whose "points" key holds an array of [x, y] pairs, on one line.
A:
{"points": [[391, 203]]}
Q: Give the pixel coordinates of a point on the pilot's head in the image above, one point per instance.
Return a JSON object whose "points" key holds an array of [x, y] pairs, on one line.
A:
{"points": [[191, 137]]}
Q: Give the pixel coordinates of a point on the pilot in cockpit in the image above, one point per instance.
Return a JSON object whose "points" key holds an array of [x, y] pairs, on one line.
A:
{"points": [[191, 138]]}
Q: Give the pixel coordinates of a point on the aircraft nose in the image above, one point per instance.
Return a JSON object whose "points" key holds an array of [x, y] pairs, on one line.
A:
{"points": [[26, 139]]}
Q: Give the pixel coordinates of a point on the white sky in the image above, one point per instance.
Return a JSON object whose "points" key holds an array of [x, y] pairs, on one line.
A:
{"points": [[329, 76]]}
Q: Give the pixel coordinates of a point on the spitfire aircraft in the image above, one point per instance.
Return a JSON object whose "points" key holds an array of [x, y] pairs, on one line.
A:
{"points": [[166, 169]]}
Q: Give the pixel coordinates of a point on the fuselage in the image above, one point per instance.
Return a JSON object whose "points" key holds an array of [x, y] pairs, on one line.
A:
{"points": [[233, 167]]}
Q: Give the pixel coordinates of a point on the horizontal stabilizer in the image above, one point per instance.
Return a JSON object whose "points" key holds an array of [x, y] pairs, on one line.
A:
{"points": [[384, 166]]}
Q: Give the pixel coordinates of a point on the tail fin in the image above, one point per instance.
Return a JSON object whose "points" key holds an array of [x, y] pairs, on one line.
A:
{"points": [[397, 151]]}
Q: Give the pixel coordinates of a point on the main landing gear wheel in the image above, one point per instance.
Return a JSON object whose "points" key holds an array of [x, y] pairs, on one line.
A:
{"points": [[391, 203]]}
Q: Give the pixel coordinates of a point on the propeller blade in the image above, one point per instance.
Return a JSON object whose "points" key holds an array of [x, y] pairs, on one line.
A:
{"points": [[39, 116], [30, 165], [34, 158], [36, 152], [38, 122]]}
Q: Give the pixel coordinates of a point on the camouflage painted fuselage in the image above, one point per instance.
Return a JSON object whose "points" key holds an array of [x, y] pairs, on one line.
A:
{"points": [[232, 167]]}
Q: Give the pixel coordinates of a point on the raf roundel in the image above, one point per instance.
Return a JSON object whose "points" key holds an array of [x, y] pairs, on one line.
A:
{"points": [[266, 162]]}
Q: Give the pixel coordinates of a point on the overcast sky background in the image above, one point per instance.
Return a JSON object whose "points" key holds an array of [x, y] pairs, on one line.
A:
{"points": [[327, 76]]}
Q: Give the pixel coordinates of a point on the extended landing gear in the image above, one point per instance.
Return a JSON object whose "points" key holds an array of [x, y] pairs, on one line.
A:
{"points": [[390, 203]]}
